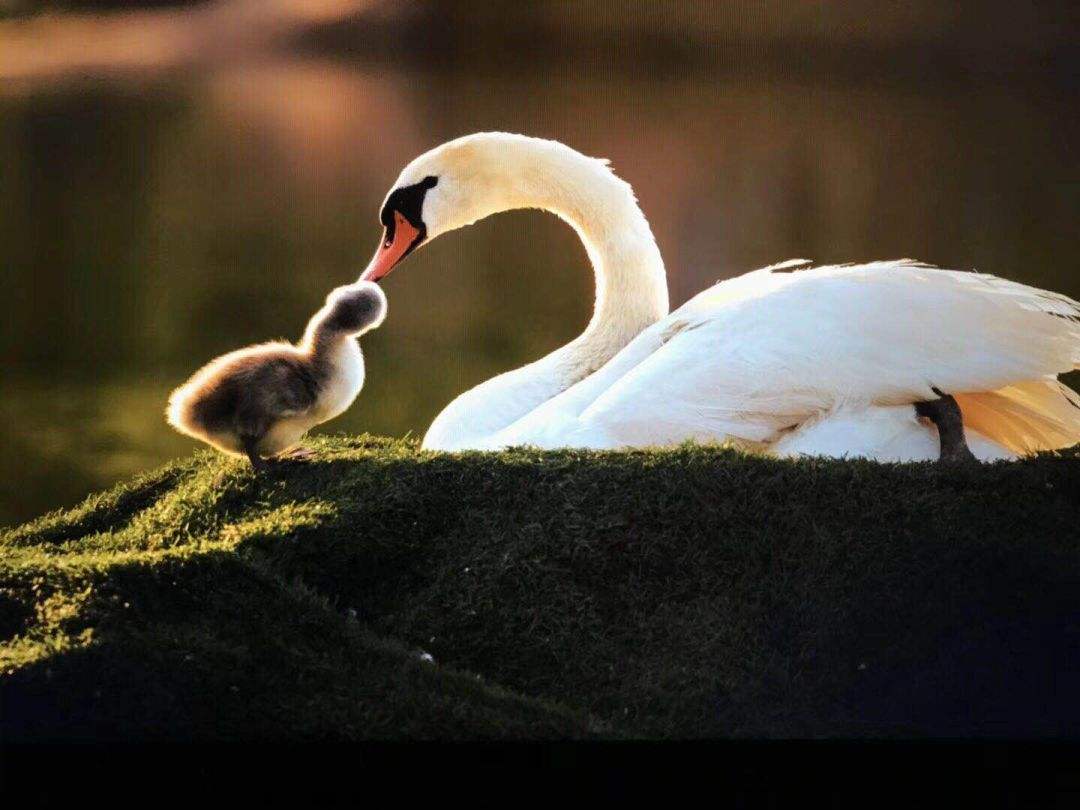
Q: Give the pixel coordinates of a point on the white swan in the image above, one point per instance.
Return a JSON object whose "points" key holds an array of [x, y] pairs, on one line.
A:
{"points": [[790, 359]]}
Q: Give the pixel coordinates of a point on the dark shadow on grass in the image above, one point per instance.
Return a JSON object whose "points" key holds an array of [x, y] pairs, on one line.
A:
{"points": [[210, 648], [993, 675], [16, 615], [717, 595]]}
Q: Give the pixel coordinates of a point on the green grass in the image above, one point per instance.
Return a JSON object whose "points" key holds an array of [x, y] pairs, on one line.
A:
{"points": [[685, 593]]}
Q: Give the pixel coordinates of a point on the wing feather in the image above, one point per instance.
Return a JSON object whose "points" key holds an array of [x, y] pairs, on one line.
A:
{"points": [[754, 355]]}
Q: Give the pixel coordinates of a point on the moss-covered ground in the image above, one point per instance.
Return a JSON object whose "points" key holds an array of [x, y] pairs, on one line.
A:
{"points": [[381, 592]]}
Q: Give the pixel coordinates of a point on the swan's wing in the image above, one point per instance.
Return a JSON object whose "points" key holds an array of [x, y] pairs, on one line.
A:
{"points": [[1025, 417], [763, 352]]}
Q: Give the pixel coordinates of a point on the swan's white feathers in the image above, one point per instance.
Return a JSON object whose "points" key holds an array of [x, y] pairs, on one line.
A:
{"points": [[754, 356], [788, 265]]}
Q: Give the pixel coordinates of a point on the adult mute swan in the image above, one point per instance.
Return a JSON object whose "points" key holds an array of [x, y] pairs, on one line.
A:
{"points": [[875, 360]]}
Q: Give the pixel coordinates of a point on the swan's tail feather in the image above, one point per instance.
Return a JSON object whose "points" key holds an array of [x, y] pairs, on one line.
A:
{"points": [[1026, 417]]}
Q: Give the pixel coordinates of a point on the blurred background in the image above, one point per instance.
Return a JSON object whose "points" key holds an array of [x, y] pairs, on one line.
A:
{"points": [[181, 179]]}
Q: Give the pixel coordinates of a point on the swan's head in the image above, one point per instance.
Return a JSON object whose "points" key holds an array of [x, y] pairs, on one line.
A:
{"points": [[454, 185]]}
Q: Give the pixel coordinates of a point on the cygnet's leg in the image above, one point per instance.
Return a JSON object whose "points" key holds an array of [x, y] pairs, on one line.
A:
{"points": [[250, 444], [296, 454], [945, 413]]}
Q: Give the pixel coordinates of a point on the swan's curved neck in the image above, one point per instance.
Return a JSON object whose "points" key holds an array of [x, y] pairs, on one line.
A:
{"points": [[631, 284]]}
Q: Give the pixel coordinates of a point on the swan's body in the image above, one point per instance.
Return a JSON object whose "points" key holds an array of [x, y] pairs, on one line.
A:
{"points": [[790, 359], [260, 401]]}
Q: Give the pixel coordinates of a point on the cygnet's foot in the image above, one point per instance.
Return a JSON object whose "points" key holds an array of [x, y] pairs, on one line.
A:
{"points": [[258, 463], [262, 465], [295, 455]]}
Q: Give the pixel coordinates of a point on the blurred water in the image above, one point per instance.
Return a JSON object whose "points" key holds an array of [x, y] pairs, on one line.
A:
{"points": [[146, 226]]}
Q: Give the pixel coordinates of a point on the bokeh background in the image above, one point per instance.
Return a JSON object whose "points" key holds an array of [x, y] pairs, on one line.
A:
{"points": [[180, 179]]}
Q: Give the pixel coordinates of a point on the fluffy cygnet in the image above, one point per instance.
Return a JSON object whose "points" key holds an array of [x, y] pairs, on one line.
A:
{"points": [[261, 400]]}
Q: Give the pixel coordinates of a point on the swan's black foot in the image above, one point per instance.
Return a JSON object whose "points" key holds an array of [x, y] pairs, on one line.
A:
{"points": [[945, 413]]}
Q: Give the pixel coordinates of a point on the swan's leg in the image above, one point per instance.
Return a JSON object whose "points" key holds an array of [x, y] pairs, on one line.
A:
{"points": [[945, 413]]}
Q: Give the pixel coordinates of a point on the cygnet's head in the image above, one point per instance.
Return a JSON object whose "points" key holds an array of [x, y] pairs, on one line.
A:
{"points": [[353, 309]]}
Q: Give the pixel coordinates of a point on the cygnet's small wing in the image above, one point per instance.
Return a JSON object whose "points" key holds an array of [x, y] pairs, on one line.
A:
{"points": [[273, 389]]}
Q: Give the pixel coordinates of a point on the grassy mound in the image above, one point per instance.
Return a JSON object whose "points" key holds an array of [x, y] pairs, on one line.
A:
{"points": [[383, 592]]}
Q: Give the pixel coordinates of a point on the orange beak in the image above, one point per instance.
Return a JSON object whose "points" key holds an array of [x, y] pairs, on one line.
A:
{"points": [[393, 249]]}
